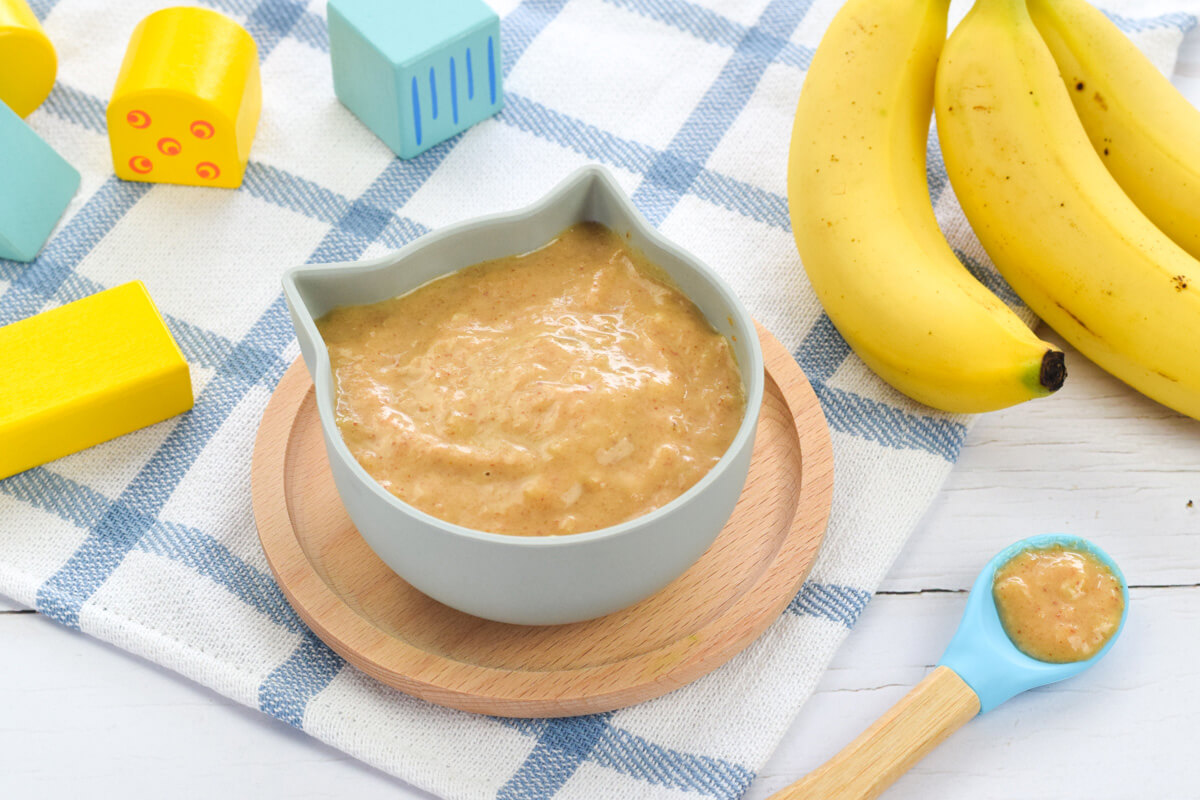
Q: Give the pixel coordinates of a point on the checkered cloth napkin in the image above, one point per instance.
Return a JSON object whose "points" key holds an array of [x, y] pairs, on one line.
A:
{"points": [[148, 541]]}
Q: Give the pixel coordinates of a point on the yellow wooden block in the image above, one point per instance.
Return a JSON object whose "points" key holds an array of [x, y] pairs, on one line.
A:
{"points": [[28, 63], [85, 373], [187, 100]]}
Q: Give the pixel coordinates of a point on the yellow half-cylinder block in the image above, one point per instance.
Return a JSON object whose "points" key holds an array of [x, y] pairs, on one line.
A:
{"points": [[28, 63], [187, 100], [85, 373]]}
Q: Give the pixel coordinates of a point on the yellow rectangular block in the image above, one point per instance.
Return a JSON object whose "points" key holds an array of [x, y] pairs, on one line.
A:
{"points": [[85, 373]]}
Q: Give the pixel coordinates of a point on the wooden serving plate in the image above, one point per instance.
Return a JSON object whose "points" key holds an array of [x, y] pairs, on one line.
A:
{"points": [[388, 629]]}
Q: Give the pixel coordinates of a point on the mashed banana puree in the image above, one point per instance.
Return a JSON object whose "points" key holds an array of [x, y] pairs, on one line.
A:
{"points": [[1058, 604], [555, 392]]}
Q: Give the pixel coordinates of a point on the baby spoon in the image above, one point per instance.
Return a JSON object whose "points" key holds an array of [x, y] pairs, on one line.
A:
{"points": [[980, 669]]}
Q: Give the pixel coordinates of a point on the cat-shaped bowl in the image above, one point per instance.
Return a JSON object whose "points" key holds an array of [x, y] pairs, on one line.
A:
{"points": [[529, 580]]}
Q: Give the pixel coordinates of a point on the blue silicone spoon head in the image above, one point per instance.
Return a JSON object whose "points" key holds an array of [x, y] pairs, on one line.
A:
{"points": [[983, 655]]}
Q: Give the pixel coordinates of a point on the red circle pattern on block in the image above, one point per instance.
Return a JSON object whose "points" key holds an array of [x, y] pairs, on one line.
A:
{"points": [[208, 170], [138, 118], [141, 164], [169, 147], [202, 130]]}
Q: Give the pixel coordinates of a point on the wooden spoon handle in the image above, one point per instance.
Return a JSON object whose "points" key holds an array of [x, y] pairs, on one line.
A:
{"points": [[935, 708]]}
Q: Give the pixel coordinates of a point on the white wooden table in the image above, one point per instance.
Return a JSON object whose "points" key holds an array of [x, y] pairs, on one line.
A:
{"points": [[81, 719]]}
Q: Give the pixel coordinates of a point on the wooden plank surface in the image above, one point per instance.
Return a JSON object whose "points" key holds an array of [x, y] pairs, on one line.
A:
{"points": [[83, 719], [1123, 729], [7, 605]]}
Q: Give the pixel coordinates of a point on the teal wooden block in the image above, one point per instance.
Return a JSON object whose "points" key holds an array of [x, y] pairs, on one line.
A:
{"points": [[36, 184], [416, 72]]}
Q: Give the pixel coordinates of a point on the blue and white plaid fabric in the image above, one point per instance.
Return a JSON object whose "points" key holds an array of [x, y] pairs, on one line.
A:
{"points": [[148, 542]]}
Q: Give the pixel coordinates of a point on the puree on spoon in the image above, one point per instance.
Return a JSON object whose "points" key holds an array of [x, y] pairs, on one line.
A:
{"points": [[1057, 604], [559, 391]]}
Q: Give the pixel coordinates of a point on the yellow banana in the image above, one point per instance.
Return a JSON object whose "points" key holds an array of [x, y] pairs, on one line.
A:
{"points": [[1062, 232], [865, 228], [1147, 133]]}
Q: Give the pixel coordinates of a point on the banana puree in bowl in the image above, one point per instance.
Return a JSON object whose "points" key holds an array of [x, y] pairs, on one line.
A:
{"points": [[552, 392], [539, 579]]}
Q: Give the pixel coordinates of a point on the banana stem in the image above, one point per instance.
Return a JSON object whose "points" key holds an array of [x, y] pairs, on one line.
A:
{"points": [[1011, 9]]}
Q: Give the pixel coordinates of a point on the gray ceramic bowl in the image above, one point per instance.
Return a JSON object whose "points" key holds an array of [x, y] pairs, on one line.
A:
{"points": [[541, 580]]}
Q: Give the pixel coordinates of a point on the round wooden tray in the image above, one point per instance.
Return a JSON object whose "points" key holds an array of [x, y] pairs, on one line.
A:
{"points": [[385, 627]]}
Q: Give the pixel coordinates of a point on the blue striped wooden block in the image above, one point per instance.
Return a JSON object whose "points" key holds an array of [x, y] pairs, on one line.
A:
{"points": [[416, 72]]}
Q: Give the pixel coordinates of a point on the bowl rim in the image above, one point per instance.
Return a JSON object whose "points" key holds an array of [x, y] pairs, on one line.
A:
{"points": [[753, 375]]}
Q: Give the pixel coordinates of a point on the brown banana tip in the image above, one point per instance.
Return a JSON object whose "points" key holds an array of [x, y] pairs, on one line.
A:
{"points": [[1054, 370]]}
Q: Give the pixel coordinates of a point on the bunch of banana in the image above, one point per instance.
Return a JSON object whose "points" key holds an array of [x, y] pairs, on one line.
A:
{"points": [[865, 228], [1146, 132], [1057, 224]]}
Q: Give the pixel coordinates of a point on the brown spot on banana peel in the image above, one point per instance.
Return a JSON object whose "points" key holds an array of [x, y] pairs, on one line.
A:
{"points": [[1165, 375], [1100, 101], [1070, 314], [1179, 282]]}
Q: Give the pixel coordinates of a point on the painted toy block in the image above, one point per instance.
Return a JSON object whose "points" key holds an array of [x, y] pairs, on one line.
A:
{"points": [[416, 72], [187, 100], [36, 184], [84, 373], [28, 63]]}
